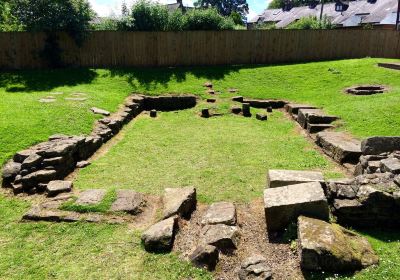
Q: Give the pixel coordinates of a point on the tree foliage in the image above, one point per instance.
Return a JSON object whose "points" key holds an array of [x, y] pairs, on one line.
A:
{"points": [[225, 7], [72, 16], [150, 16], [311, 23], [8, 22]]}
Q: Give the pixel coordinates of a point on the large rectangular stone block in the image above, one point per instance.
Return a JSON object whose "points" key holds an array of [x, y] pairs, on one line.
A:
{"points": [[378, 145], [341, 147], [285, 204], [279, 178]]}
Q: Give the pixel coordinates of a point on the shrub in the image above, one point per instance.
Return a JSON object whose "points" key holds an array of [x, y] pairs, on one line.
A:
{"points": [[312, 23], [106, 24], [148, 16], [207, 19], [8, 22], [176, 21]]}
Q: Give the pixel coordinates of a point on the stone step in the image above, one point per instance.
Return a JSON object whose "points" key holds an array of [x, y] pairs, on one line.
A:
{"points": [[284, 205], [160, 236], [220, 213], [313, 116], [339, 146], [179, 201], [91, 197], [264, 103], [279, 178], [315, 128], [293, 108], [128, 201]]}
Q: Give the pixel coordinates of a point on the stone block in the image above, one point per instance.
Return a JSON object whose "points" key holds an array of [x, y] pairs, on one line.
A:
{"points": [[220, 213], [284, 205], [160, 236], [221, 236], [128, 201], [279, 178], [90, 197], [341, 147], [380, 144], [179, 201], [391, 165], [53, 188]]}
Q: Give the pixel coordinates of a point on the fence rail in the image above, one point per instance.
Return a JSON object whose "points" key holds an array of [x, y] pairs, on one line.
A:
{"points": [[21, 50]]}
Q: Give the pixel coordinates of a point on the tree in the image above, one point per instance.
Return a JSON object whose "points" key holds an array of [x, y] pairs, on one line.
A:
{"points": [[225, 7], [124, 9], [72, 16], [8, 22]]}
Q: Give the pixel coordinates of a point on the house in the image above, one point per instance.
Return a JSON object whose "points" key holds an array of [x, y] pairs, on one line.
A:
{"points": [[378, 13], [178, 5]]}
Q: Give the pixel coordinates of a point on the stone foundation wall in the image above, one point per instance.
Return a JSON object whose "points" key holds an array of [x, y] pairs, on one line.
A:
{"points": [[30, 170]]}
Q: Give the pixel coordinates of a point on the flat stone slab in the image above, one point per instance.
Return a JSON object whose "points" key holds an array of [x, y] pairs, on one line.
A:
{"points": [[329, 247], [76, 98], [128, 201], [58, 186], [255, 268], [47, 100], [339, 146], [221, 236], [380, 144], [205, 256], [293, 108], [160, 236], [179, 201], [391, 165], [390, 65], [89, 197], [313, 116], [285, 204], [220, 213], [99, 111], [279, 178], [315, 128]]}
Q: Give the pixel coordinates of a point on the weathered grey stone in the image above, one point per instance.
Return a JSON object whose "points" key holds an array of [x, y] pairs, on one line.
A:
{"points": [[179, 201], [378, 145], [313, 116], [258, 103], [32, 161], [255, 268], [41, 176], [221, 236], [279, 178], [11, 170], [160, 236], [76, 98], [208, 84], [128, 201], [397, 180], [82, 164], [205, 256], [169, 102], [293, 108], [47, 100], [341, 147], [269, 109], [99, 111], [246, 109], [329, 247], [153, 113], [205, 113], [391, 165], [237, 99], [37, 213], [261, 117], [284, 204], [55, 187], [22, 155], [373, 166], [236, 109], [53, 161], [315, 128], [93, 196], [220, 213], [211, 100]]}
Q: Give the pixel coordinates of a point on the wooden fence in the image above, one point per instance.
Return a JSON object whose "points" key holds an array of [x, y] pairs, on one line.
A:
{"points": [[120, 49]]}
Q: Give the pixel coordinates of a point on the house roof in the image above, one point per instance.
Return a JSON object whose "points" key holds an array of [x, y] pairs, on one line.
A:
{"points": [[359, 12]]}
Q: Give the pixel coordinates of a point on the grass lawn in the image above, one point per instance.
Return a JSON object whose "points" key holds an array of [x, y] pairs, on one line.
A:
{"points": [[225, 158], [76, 251]]}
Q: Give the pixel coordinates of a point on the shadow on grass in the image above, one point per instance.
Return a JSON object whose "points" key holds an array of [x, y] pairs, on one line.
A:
{"points": [[44, 80], [149, 78]]}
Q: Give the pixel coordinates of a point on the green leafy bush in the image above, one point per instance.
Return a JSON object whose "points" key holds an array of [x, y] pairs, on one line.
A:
{"points": [[311, 23], [207, 19], [147, 16], [8, 22]]}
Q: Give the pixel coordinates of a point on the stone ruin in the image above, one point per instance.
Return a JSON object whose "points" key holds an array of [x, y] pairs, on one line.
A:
{"points": [[371, 198], [366, 90], [32, 169]]}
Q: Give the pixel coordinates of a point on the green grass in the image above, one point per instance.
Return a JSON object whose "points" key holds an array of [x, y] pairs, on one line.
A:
{"points": [[225, 158], [79, 251], [24, 121], [102, 207]]}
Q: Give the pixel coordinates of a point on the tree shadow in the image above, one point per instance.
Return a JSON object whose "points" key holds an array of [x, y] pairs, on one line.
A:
{"points": [[44, 80], [151, 78]]}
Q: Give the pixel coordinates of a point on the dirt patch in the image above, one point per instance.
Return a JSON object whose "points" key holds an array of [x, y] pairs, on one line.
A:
{"points": [[254, 240]]}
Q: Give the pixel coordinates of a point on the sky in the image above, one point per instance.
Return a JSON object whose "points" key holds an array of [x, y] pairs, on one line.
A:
{"points": [[113, 7]]}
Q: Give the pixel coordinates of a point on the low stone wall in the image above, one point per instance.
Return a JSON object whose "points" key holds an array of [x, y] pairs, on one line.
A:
{"points": [[30, 170]]}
